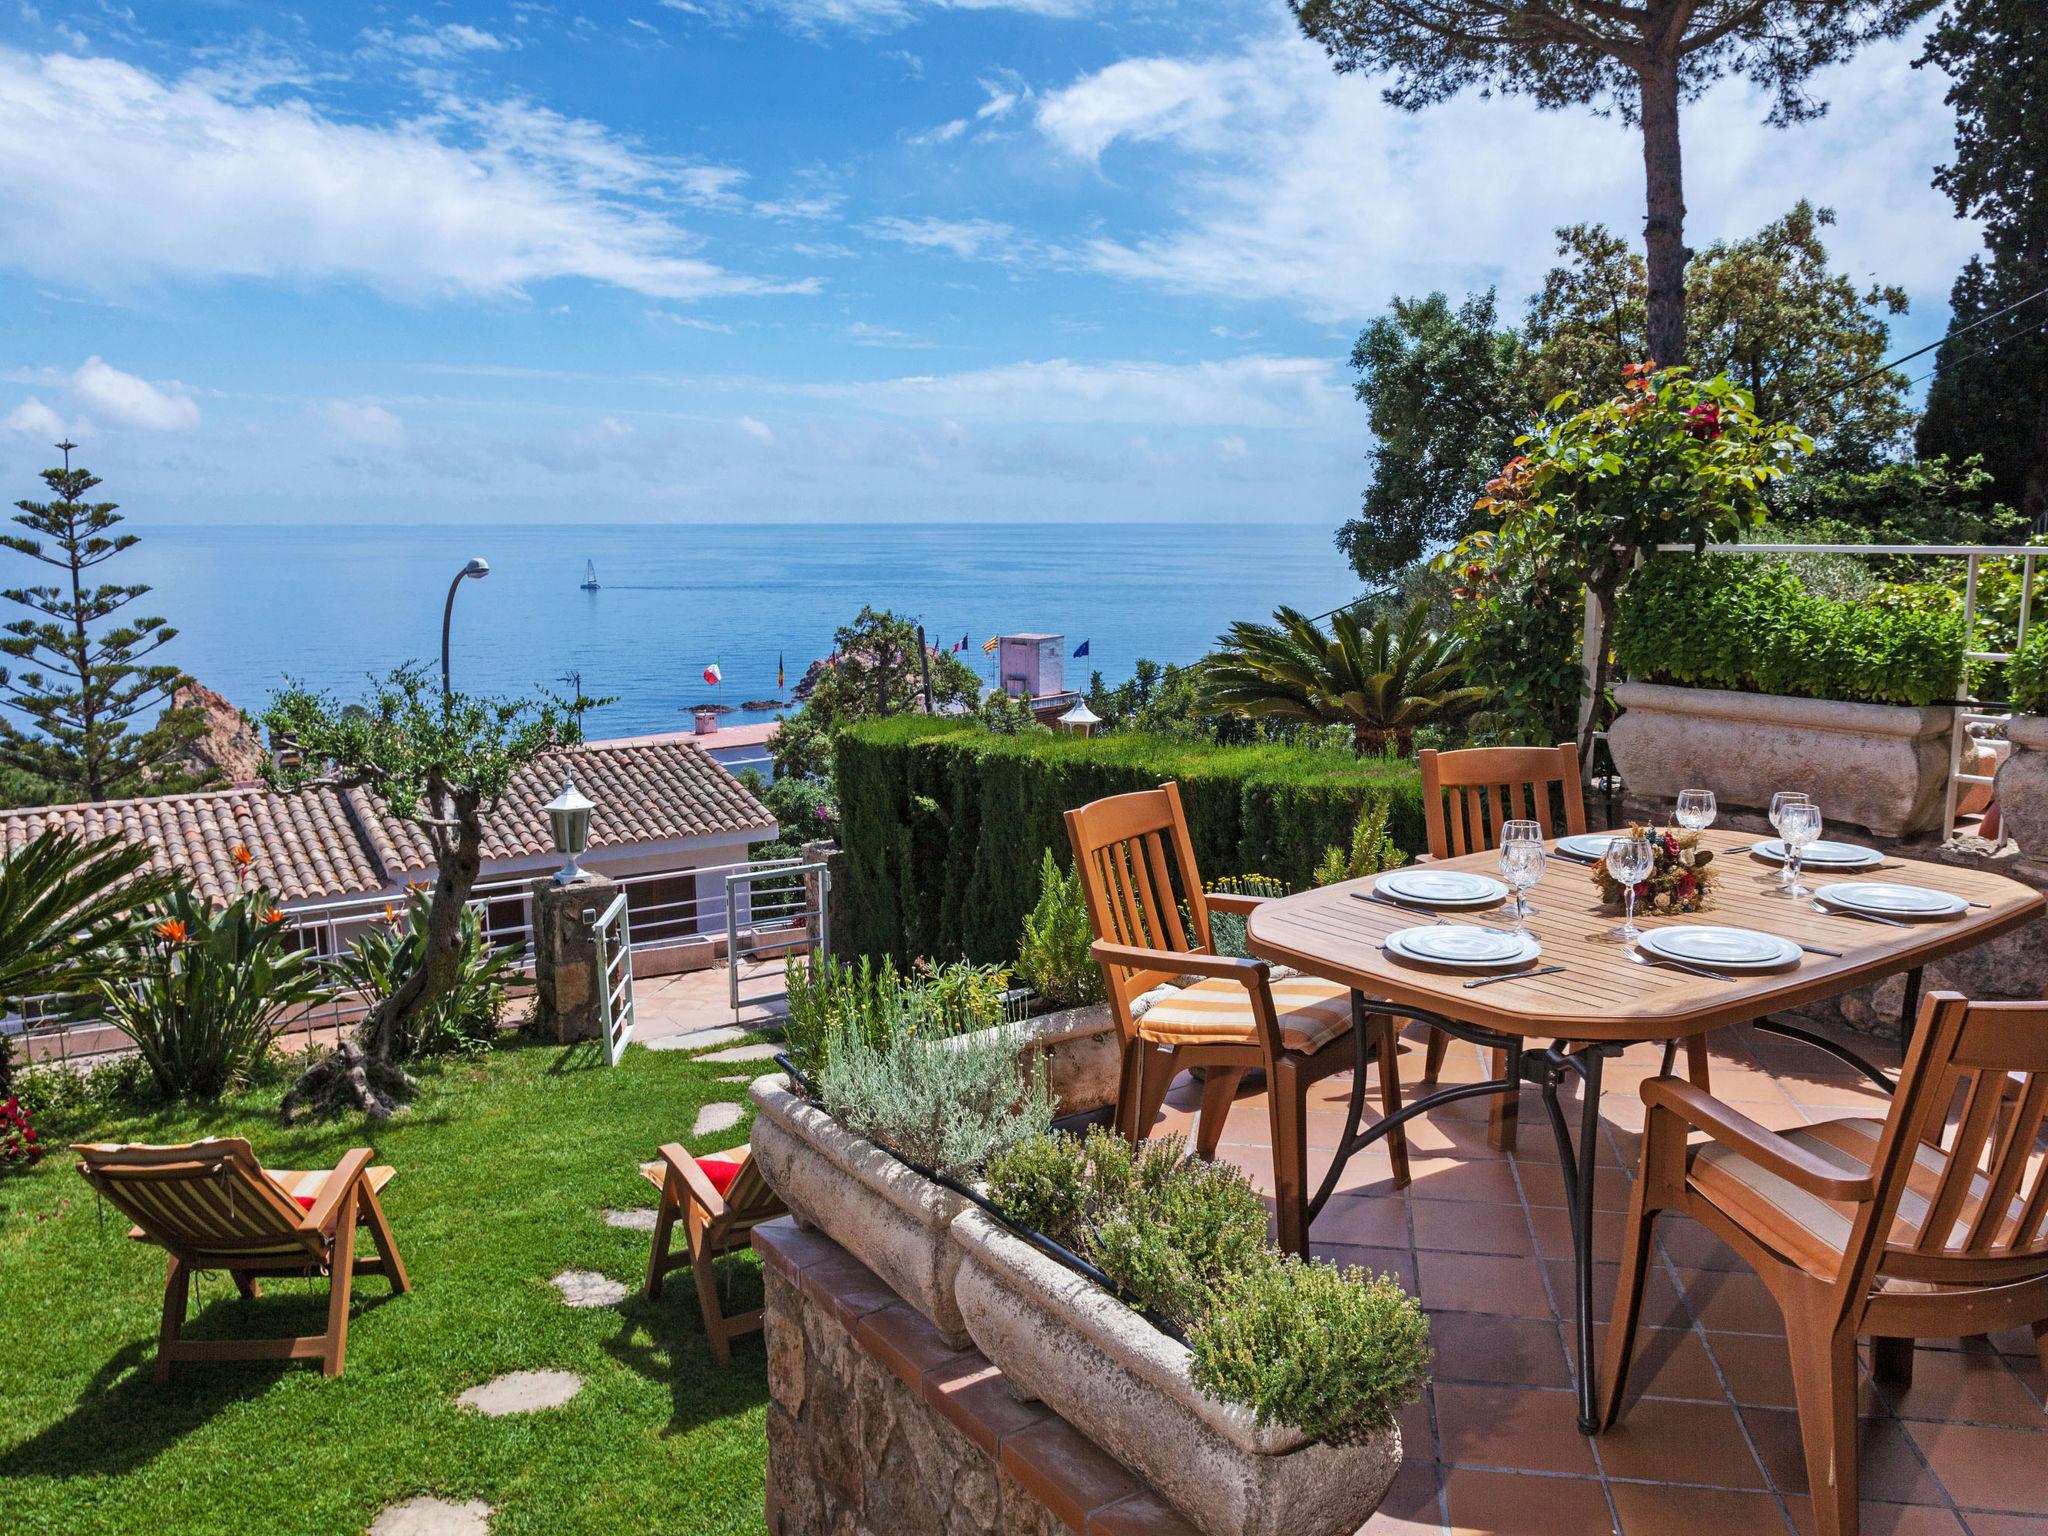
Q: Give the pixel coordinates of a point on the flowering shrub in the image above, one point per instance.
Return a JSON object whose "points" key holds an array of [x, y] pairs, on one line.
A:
{"points": [[1680, 880], [17, 1136]]}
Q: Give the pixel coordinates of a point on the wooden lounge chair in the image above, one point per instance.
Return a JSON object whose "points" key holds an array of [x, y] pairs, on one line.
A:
{"points": [[1925, 1224], [720, 1199], [211, 1205], [1138, 873], [1466, 797]]}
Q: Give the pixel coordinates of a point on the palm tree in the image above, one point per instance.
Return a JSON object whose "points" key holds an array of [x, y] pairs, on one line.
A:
{"points": [[64, 901], [1384, 683]]}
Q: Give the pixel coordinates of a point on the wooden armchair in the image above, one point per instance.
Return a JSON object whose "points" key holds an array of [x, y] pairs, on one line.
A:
{"points": [[1466, 798], [720, 1199], [1932, 1222], [1137, 868], [211, 1205]]}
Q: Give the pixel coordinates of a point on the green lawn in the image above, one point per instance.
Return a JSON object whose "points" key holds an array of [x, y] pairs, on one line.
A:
{"points": [[504, 1166]]}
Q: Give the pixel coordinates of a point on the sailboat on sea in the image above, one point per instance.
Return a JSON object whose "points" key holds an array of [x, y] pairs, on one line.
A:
{"points": [[590, 575]]}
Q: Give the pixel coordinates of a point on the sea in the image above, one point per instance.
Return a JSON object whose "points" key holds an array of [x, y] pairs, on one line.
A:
{"points": [[330, 606]]}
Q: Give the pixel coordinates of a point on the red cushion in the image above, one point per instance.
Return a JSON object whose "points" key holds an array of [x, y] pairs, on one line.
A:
{"points": [[306, 1201], [721, 1171]]}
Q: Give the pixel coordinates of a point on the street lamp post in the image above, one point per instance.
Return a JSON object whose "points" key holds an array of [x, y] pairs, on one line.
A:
{"points": [[477, 569]]}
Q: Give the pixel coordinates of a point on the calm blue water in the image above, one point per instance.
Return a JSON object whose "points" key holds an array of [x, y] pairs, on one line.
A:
{"points": [[331, 604]]}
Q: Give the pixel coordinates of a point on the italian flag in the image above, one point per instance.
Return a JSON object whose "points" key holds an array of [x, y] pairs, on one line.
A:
{"points": [[713, 675]]}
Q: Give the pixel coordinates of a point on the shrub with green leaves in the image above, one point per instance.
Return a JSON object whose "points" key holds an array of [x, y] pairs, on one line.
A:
{"points": [[944, 1103], [1053, 956], [1334, 1353], [955, 998], [211, 991], [828, 996], [1227, 929], [465, 1017], [1719, 621], [2026, 675], [1371, 850]]}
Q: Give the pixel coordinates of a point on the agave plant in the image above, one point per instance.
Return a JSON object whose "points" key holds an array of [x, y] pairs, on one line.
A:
{"points": [[1383, 683], [463, 1018]]}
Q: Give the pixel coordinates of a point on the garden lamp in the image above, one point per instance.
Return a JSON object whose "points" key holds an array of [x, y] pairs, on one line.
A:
{"points": [[569, 818]]}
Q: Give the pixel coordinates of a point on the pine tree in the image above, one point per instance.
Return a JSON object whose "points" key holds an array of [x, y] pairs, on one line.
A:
{"points": [[84, 682]]}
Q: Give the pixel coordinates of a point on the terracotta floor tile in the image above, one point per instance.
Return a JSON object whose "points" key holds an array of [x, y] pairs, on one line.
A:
{"points": [[1891, 1471], [1411, 1507], [1492, 1181], [1731, 1301], [1659, 1440], [1997, 1469], [1979, 1387], [1398, 1262], [1142, 1514], [1663, 1306], [1063, 1470], [2006, 1525], [1691, 1246], [1473, 1227], [1502, 1351], [2015, 1341], [1364, 1222], [1471, 1282], [1512, 1429], [1418, 1433], [978, 1403], [1658, 1509], [1507, 1504], [1668, 1362], [1543, 1183], [1758, 1368], [1886, 1519], [905, 1343], [1554, 1232]]}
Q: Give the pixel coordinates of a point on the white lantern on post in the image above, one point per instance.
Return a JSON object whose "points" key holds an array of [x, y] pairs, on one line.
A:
{"points": [[569, 817]]}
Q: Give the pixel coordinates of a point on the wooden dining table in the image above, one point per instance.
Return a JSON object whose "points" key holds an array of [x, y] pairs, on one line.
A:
{"points": [[1568, 1022]]}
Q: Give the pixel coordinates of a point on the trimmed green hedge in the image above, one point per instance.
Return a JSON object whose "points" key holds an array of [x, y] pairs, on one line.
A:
{"points": [[1718, 621], [944, 825]]}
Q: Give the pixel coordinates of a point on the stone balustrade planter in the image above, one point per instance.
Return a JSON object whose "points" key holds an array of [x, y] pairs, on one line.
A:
{"points": [[865, 1198], [1081, 1051], [1125, 1385], [2022, 787], [1879, 766]]}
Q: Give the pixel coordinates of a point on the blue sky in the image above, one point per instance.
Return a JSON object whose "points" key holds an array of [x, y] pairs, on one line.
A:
{"points": [[802, 259]]}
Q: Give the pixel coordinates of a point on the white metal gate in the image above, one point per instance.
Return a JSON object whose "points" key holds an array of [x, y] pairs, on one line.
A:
{"points": [[780, 921], [614, 934]]}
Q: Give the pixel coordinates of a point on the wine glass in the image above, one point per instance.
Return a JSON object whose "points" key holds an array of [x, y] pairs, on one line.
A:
{"points": [[1801, 827], [1779, 801], [1696, 809], [1630, 859], [1522, 857]]}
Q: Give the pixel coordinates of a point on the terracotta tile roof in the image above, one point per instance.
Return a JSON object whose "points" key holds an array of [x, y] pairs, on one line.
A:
{"points": [[646, 792], [303, 846], [323, 842]]}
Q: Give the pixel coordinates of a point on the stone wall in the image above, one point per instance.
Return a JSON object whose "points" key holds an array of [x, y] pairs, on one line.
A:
{"points": [[877, 1428]]}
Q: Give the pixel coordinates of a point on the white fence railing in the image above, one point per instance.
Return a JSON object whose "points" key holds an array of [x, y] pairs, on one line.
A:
{"points": [[668, 908], [1973, 556]]}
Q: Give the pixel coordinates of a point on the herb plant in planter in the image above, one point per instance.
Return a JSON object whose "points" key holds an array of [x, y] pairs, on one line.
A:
{"points": [[898, 1099], [1254, 1392]]}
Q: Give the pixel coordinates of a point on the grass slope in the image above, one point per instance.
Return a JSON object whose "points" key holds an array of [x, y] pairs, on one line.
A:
{"points": [[504, 1166]]}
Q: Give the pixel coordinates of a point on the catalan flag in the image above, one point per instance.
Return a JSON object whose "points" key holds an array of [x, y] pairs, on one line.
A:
{"points": [[988, 646], [778, 671]]}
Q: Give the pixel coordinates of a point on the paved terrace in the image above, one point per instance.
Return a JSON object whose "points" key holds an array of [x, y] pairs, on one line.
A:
{"points": [[1710, 1442]]}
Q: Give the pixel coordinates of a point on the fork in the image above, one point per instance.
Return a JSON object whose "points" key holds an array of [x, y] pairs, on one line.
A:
{"points": [[1869, 917], [1678, 965]]}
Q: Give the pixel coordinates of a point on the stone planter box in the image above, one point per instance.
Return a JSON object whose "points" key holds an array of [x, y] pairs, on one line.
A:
{"points": [[1124, 1385], [1082, 1054], [894, 1220], [2022, 787], [1879, 766]]}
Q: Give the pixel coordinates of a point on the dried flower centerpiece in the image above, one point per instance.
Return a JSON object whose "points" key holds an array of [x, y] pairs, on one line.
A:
{"points": [[1682, 879]]}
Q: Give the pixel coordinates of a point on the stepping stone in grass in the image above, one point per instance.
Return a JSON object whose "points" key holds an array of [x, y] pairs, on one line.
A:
{"points": [[697, 1039], [522, 1392], [588, 1288], [716, 1117], [425, 1516], [742, 1078], [640, 1219], [763, 1052]]}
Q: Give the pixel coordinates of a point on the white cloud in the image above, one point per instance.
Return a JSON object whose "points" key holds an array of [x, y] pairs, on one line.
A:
{"points": [[443, 42], [886, 15], [1241, 393], [965, 238], [32, 418], [128, 401], [154, 171], [1284, 180], [1231, 446], [371, 425], [757, 429], [945, 133]]}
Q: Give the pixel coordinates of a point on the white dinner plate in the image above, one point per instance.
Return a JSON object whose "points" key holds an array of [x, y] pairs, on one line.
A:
{"points": [[1820, 855], [1589, 846], [1891, 900], [1441, 887], [1732, 949], [1461, 944]]}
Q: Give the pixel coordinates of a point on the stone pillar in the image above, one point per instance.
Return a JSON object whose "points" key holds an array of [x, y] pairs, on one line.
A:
{"points": [[565, 979]]}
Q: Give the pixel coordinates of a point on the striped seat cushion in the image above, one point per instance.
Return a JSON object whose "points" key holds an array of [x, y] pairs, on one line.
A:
{"points": [[1312, 1013], [1813, 1232]]}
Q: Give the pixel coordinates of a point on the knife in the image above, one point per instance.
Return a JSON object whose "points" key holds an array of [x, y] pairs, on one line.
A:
{"points": [[1487, 981]]}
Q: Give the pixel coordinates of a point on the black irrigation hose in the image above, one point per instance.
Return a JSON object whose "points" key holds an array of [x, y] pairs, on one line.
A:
{"points": [[1045, 1245]]}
